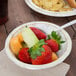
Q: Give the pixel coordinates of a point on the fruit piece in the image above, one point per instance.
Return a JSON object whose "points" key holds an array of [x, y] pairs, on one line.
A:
{"points": [[53, 45], [37, 49], [20, 37], [29, 37], [24, 55], [40, 35], [54, 56], [54, 41], [44, 58], [15, 45]]}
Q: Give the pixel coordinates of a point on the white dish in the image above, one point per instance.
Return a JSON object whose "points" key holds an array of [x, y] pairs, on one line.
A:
{"points": [[46, 27], [50, 13]]}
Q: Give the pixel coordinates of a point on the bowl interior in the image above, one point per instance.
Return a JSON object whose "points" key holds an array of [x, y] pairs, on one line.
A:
{"points": [[47, 28]]}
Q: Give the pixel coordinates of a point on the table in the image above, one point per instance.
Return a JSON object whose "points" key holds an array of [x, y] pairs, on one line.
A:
{"points": [[20, 13]]}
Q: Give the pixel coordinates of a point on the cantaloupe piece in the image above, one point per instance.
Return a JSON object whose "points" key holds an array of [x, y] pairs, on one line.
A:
{"points": [[54, 56], [15, 45], [20, 37]]}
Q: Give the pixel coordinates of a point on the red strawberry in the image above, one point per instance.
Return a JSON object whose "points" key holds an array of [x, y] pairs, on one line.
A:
{"points": [[46, 56], [24, 55], [38, 33], [53, 45]]}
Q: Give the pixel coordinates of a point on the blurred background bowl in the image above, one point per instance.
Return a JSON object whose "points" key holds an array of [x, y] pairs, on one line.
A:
{"points": [[49, 13]]}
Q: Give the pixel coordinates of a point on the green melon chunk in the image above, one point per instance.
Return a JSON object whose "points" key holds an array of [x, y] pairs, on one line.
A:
{"points": [[29, 37]]}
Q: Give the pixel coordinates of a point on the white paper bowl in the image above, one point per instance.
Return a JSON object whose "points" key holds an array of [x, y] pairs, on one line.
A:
{"points": [[49, 13], [46, 27]]}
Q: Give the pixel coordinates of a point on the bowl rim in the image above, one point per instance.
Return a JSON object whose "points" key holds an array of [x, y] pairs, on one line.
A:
{"points": [[49, 13], [36, 67]]}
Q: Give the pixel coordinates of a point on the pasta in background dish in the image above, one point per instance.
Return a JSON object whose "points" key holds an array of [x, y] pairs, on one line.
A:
{"points": [[53, 5]]}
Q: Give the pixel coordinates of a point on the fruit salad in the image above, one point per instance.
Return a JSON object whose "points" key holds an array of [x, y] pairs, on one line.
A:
{"points": [[33, 46]]}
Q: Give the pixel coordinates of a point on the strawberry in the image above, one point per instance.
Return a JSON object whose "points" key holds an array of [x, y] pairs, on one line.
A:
{"points": [[54, 41], [46, 56], [53, 45], [24, 55], [40, 35], [40, 53]]}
